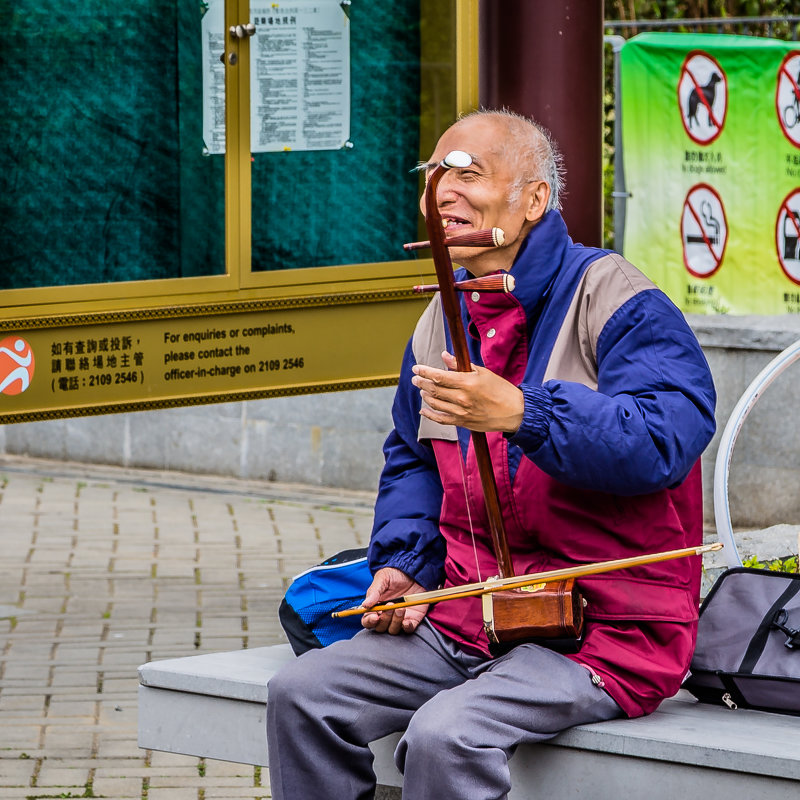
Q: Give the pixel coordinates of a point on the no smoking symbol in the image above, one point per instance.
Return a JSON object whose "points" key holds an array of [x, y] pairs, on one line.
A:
{"points": [[787, 97], [787, 235], [704, 231], [702, 97]]}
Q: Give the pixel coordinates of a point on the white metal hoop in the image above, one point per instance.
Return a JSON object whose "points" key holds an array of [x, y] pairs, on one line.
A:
{"points": [[722, 512]]}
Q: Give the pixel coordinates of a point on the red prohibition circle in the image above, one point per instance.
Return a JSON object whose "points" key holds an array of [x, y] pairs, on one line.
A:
{"points": [[689, 269], [684, 69], [791, 111], [784, 208]]}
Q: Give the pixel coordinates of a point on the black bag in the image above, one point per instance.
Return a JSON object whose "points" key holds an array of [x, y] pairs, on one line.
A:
{"points": [[339, 582], [748, 642]]}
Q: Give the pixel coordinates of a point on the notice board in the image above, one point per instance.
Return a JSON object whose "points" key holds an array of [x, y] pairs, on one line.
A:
{"points": [[143, 268]]}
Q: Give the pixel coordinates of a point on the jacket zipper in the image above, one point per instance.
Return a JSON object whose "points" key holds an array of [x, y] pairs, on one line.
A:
{"points": [[597, 680]]}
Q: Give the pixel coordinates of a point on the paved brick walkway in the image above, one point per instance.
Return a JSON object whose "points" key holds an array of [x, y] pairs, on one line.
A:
{"points": [[103, 569]]}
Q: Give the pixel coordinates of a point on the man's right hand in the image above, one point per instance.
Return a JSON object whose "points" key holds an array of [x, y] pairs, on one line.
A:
{"points": [[389, 584]]}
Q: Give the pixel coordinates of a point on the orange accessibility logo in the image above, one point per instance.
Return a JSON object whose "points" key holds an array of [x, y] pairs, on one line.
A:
{"points": [[16, 365]]}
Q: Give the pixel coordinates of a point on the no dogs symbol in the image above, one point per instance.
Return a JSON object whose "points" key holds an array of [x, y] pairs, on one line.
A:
{"points": [[704, 231], [787, 235], [787, 97], [702, 97]]}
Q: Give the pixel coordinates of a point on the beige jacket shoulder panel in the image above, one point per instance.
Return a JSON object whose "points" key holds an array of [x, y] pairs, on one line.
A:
{"points": [[427, 345], [606, 285]]}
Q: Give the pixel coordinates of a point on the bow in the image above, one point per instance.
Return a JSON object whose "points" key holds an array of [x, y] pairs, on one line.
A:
{"points": [[522, 581]]}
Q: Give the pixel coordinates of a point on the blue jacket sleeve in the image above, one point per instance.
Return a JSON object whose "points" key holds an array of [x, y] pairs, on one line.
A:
{"points": [[650, 418], [405, 532]]}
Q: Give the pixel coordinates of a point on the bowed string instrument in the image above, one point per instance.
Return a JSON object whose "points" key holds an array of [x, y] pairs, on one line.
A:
{"points": [[542, 606]]}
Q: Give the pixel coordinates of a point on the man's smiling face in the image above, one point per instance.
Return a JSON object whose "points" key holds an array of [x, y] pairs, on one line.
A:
{"points": [[483, 194]]}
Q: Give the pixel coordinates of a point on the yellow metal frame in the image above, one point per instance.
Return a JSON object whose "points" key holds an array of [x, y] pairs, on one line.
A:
{"points": [[467, 55], [237, 146]]}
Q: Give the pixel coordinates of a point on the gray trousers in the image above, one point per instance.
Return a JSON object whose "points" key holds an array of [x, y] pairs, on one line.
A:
{"points": [[463, 715]]}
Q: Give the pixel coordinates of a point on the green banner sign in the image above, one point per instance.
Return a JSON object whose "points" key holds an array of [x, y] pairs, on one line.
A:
{"points": [[711, 149]]}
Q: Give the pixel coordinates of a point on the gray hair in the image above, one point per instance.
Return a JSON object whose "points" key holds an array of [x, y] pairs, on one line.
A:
{"points": [[531, 149]]}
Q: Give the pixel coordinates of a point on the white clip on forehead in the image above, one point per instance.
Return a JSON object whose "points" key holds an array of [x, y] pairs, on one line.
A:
{"points": [[457, 158]]}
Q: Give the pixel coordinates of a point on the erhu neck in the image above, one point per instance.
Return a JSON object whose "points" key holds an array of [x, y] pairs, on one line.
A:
{"points": [[452, 311]]}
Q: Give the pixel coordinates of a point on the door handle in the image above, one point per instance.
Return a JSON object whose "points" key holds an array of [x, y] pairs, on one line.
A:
{"points": [[242, 31]]}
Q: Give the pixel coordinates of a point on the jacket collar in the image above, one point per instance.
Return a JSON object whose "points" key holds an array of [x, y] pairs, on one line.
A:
{"points": [[536, 267], [538, 263]]}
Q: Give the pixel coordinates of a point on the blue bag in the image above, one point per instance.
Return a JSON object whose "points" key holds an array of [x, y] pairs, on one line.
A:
{"points": [[339, 582]]}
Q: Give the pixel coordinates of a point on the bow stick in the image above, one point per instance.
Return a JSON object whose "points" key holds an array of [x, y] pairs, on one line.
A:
{"points": [[452, 311], [521, 581]]}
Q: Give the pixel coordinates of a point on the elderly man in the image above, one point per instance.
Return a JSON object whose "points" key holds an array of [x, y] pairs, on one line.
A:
{"points": [[597, 403]]}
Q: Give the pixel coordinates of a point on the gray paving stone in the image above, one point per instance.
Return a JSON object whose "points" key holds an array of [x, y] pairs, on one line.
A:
{"points": [[64, 776], [117, 787], [17, 772], [171, 793]]}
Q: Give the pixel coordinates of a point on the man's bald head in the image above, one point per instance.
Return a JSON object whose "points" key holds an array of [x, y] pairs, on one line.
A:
{"points": [[529, 149]]}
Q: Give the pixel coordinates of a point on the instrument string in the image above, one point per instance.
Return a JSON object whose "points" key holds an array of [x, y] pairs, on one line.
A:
{"points": [[461, 458]]}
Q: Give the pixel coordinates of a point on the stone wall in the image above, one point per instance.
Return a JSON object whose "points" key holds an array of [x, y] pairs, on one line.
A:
{"points": [[334, 440], [764, 483]]}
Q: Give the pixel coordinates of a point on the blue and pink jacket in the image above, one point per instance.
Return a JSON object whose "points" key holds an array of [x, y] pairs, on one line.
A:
{"points": [[619, 405]]}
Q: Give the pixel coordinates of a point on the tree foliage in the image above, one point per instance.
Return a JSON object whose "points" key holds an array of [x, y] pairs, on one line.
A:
{"points": [[697, 9]]}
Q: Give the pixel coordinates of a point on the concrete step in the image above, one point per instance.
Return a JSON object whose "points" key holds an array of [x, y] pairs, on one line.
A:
{"points": [[214, 706]]}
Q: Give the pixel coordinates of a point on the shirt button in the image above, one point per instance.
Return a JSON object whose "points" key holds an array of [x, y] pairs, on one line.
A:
{"points": [[490, 333], [476, 296]]}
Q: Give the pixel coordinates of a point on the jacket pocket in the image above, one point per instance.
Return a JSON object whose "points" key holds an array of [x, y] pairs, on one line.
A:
{"points": [[613, 597]]}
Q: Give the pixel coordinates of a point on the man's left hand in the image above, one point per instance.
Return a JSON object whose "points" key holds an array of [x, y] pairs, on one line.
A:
{"points": [[478, 400]]}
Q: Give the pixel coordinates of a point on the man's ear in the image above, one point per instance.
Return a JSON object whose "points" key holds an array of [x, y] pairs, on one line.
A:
{"points": [[537, 196]]}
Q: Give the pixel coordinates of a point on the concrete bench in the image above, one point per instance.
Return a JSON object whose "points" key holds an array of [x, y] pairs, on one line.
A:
{"points": [[214, 706]]}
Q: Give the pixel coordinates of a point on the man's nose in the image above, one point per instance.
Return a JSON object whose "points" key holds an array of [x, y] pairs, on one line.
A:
{"points": [[448, 189]]}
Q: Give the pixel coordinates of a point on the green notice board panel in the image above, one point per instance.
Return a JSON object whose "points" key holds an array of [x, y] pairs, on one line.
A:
{"points": [[103, 174], [711, 146], [357, 204]]}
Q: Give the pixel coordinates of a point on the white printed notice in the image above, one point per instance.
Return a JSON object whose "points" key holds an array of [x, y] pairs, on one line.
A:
{"points": [[299, 77], [213, 47]]}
